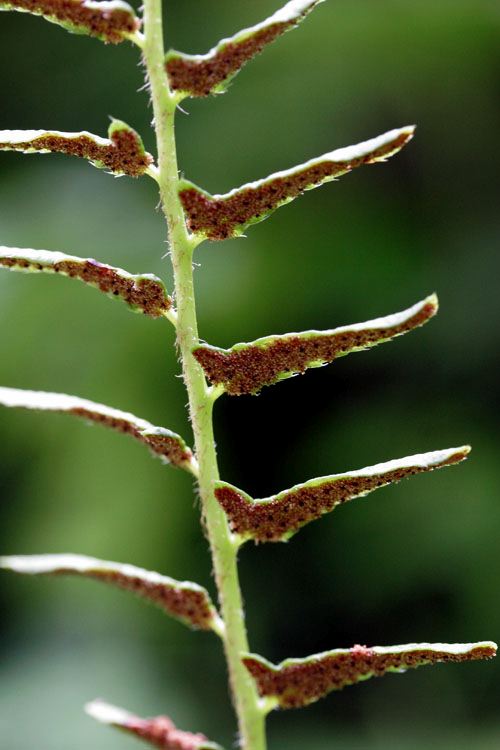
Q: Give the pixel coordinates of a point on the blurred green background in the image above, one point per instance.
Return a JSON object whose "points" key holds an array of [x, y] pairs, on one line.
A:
{"points": [[415, 562]]}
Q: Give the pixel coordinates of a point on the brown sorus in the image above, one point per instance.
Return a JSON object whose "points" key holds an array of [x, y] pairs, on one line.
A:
{"points": [[277, 518], [297, 685], [247, 369], [200, 77], [219, 218], [109, 24], [124, 154], [165, 445], [190, 605]]}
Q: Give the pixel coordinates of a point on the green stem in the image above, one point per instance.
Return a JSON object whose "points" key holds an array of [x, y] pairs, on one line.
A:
{"points": [[251, 716]]}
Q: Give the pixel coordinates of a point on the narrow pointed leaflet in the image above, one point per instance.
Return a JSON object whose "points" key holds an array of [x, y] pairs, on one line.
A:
{"points": [[169, 446], [183, 600], [112, 21], [219, 217], [298, 682], [248, 367], [202, 75], [279, 517], [143, 293], [159, 731], [121, 153]]}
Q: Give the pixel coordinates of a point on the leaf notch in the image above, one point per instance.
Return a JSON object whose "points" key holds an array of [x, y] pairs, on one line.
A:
{"points": [[247, 368], [143, 293], [112, 21], [164, 443], [220, 217], [279, 517], [121, 153], [202, 75], [183, 600], [298, 682]]}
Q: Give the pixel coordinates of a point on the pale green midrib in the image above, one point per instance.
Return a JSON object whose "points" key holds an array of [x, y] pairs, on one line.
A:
{"points": [[250, 717]]}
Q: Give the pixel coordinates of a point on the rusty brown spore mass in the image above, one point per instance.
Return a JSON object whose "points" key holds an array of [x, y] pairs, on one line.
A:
{"points": [[248, 369], [303, 683], [187, 604], [162, 733], [221, 218], [277, 518], [123, 155], [147, 295], [167, 446], [201, 77], [110, 25]]}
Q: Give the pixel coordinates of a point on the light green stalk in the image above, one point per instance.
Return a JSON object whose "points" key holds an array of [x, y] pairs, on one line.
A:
{"points": [[201, 398]]}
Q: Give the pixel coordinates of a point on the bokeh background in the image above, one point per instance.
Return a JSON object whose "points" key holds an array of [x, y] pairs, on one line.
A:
{"points": [[415, 562]]}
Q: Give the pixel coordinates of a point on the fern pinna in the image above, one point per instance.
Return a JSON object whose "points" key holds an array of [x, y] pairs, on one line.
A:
{"points": [[231, 517]]}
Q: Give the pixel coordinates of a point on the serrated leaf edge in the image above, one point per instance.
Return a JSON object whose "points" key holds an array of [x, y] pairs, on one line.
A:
{"points": [[315, 683], [72, 14], [111, 715], [144, 293], [147, 584], [121, 153], [239, 374], [168, 445], [260, 519], [221, 216], [210, 73]]}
